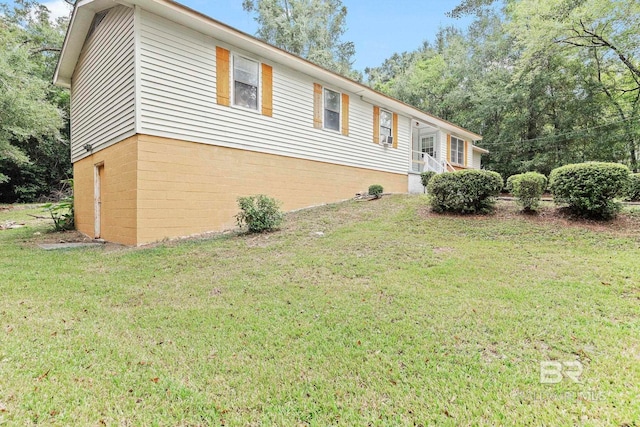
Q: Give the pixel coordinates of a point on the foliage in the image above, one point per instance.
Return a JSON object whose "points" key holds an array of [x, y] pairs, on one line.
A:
{"points": [[633, 188], [259, 213], [466, 191], [425, 177], [34, 133], [62, 211], [528, 189], [311, 29], [590, 189], [376, 190], [598, 41]]}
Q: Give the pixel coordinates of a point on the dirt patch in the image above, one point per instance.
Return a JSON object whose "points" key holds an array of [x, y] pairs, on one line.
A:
{"points": [[443, 250], [11, 225], [72, 238], [63, 237]]}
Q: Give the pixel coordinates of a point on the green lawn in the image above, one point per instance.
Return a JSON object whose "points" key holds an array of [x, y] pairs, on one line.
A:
{"points": [[394, 316]]}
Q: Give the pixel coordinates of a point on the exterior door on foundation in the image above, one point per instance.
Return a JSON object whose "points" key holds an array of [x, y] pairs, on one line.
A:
{"points": [[98, 183]]}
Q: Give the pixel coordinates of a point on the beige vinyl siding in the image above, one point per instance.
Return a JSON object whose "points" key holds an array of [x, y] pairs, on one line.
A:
{"points": [[476, 162], [103, 85], [178, 100], [443, 153]]}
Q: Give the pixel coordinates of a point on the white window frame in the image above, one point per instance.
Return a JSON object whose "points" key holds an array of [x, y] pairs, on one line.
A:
{"points": [[384, 127], [459, 145], [324, 109], [434, 141], [416, 150], [233, 83]]}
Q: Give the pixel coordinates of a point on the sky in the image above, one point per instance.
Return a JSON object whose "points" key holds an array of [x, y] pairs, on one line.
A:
{"points": [[378, 28]]}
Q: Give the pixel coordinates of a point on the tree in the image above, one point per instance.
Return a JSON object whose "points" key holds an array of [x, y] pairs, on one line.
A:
{"points": [[598, 35], [311, 29], [34, 140], [468, 7], [593, 42]]}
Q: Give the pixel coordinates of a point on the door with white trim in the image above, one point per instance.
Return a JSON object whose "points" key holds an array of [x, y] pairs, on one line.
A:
{"points": [[97, 198]]}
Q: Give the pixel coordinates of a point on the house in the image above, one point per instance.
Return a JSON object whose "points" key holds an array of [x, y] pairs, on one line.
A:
{"points": [[174, 115]]}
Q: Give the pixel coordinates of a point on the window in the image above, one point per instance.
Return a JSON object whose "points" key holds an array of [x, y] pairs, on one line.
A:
{"points": [[331, 110], [457, 151], [245, 82], [428, 145], [385, 124]]}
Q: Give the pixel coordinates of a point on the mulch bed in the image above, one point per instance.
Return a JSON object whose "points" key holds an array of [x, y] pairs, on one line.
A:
{"points": [[624, 224]]}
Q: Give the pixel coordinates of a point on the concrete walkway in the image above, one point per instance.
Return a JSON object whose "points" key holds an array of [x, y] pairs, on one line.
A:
{"points": [[58, 246]]}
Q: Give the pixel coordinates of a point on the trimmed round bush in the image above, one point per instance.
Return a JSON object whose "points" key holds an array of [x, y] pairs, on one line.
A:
{"points": [[633, 187], [467, 191], [259, 213], [425, 177], [376, 190], [528, 189], [589, 189]]}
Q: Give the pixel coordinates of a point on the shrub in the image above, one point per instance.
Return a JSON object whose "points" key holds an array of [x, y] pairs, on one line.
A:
{"points": [[62, 212], [467, 191], [376, 190], [589, 189], [259, 213], [633, 188], [509, 186], [425, 177], [527, 188]]}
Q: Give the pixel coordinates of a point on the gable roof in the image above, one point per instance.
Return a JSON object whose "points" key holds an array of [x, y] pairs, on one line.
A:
{"points": [[85, 10]]}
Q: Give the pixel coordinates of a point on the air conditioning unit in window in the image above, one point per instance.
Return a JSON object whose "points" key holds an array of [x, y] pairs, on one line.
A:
{"points": [[386, 140]]}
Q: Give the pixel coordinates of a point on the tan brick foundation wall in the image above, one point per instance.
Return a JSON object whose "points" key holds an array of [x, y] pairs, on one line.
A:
{"points": [[186, 188], [119, 197]]}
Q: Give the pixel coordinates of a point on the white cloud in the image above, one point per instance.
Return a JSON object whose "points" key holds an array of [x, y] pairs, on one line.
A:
{"points": [[58, 8]]}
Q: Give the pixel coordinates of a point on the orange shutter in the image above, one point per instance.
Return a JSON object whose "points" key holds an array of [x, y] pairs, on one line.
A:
{"points": [[448, 147], [267, 90], [345, 114], [317, 106], [395, 130], [222, 76], [376, 125]]}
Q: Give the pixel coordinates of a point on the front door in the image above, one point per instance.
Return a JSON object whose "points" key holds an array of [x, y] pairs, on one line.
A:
{"points": [[428, 145], [424, 144], [97, 197]]}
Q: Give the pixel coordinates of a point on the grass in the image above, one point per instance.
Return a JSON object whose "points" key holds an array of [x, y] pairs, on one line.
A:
{"points": [[394, 316]]}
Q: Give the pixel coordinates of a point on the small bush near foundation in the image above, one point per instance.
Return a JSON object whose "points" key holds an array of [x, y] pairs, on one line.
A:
{"points": [[589, 189], [528, 189], [633, 188], [259, 213], [376, 190], [425, 177], [62, 212], [467, 191]]}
